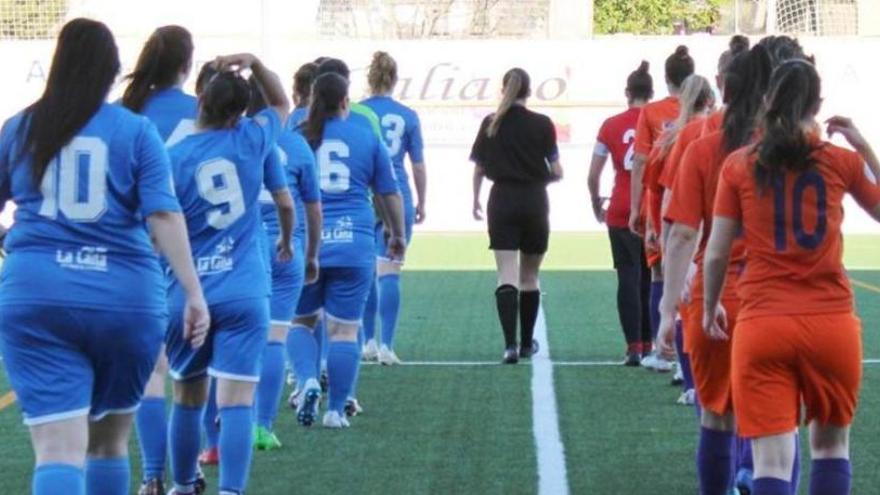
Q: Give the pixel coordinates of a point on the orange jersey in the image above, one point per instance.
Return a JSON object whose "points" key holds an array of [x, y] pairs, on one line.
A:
{"points": [[713, 122], [689, 133], [792, 228], [654, 119], [693, 200]]}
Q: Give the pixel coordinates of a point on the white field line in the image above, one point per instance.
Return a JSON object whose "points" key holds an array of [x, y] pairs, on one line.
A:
{"points": [[552, 475], [573, 364]]}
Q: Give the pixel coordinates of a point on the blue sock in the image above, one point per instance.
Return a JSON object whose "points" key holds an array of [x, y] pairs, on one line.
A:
{"points": [[183, 435], [771, 486], [830, 477], [796, 467], [389, 306], [715, 461], [744, 454], [108, 476], [302, 350], [209, 422], [236, 439], [323, 346], [51, 479], [271, 384], [357, 371], [684, 359], [654, 308], [370, 312], [342, 364], [152, 428]]}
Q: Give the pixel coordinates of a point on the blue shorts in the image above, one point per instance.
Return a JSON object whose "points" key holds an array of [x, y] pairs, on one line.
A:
{"points": [[68, 362], [234, 346], [340, 291], [287, 284], [409, 217]]}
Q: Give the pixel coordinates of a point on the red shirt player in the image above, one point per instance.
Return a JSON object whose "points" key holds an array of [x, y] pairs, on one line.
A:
{"points": [[616, 138]]}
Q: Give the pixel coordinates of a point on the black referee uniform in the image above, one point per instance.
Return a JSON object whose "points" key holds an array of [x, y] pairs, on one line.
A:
{"points": [[517, 161]]}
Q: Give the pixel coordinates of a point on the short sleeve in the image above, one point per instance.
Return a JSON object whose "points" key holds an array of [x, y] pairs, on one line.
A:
{"points": [[551, 150], [153, 173], [384, 181], [309, 187], [416, 147], [602, 147], [644, 134], [478, 150], [863, 185], [273, 171], [728, 200], [261, 132], [686, 202]]}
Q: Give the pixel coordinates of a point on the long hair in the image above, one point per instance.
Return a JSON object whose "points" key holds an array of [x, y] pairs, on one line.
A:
{"points": [[382, 74], [257, 102], [328, 97], [640, 84], [745, 83], [793, 98], [302, 83], [166, 54], [516, 85], [679, 66], [223, 100], [737, 44], [85, 64], [695, 98]]}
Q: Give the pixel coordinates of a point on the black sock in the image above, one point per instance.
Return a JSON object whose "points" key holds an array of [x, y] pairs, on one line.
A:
{"points": [[507, 301], [529, 302]]}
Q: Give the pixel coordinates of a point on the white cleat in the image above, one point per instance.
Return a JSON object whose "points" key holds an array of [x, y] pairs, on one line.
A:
{"points": [[387, 356], [687, 398], [370, 351], [655, 362], [333, 419], [307, 408]]}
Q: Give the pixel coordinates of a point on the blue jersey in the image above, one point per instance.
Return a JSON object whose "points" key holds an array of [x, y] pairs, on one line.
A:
{"points": [[79, 238], [174, 113], [218, 176], [297, 160], [296, 117], [351, 160], [402, 133]]}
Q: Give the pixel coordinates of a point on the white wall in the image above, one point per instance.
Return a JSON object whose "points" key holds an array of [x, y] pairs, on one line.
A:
{"points": [[454, 84]]}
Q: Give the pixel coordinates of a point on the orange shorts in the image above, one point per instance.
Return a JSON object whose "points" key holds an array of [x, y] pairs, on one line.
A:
{"points": [[779, 361], [710, 359]]}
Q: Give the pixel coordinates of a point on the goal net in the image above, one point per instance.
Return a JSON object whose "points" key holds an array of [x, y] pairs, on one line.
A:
{"points": [[814, 17], [31, 19]]}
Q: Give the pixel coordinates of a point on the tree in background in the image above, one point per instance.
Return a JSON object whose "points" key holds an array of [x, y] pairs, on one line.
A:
{"points": [[655, 16]]}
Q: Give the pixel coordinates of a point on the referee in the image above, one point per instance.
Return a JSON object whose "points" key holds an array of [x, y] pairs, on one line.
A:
{"points": [[516, 149]]}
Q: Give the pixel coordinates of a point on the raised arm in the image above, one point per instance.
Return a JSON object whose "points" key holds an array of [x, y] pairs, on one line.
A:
{"points": [[268, 81]]}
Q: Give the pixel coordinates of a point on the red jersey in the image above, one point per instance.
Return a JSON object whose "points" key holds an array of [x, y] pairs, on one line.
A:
{"points": [[693, 200], [617, 135], [794, 261]]}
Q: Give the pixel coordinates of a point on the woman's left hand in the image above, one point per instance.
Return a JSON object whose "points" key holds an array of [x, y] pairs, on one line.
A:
{"points": [[478, 211], [715, 324]]}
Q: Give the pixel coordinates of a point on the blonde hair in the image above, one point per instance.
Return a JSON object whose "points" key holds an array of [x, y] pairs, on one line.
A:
{"points": [[382, 75], [696, 97], [516, 86]]}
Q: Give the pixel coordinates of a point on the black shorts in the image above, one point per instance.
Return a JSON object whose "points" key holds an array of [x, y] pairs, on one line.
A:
{"points": [[518, 218], [627, 248]]}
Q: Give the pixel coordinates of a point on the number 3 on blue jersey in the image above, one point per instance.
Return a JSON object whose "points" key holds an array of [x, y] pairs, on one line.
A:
{"points": [[394, 126], [806, 240], [335, 175], [219, 185], [63, 187]]}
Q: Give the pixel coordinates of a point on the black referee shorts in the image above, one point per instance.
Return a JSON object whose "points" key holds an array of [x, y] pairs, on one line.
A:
{"points": [[627, 248], [518, 218]]}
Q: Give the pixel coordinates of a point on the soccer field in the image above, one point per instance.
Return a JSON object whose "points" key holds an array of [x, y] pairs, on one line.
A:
{"points": [[452, 421]]}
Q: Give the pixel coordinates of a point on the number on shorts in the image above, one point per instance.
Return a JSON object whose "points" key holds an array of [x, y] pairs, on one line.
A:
{"points": [[629, 138], [804, 239], [394, 126], [219, 185], [335, 175], [75, 183]]}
